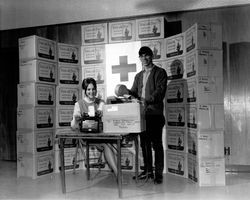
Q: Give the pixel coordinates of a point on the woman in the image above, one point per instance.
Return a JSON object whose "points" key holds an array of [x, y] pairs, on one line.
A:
{"points": [[90, 104]]}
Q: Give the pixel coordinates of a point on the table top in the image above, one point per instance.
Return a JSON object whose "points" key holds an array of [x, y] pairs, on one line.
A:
{"points": [[78, 134]]}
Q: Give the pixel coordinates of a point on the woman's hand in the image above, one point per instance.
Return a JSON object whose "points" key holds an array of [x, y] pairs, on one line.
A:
{"points": [[99, 113], [77, 118]]}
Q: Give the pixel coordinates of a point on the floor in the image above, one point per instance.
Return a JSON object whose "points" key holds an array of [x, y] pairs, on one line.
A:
{"points": [[103, 186]]}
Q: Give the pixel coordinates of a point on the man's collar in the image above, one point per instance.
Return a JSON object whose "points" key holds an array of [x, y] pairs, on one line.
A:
{"points": [[148, 69]]}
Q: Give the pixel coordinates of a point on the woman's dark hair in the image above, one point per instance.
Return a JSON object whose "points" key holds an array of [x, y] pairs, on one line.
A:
{"points": [[86, 82], [145, 51]]}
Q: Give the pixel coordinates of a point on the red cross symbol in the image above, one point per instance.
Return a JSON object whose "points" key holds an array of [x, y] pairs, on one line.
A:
{"points": [[124, 68]]}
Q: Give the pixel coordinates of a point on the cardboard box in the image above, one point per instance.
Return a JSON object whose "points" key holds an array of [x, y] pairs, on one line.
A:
{"points": [[36, 94], [176, 116], [203, 36], [127, 160], [122, 118], [150, 28], [69, 53], [94, 54], [35, 141], [35, 165], [69, 75], [157, 47], [205, 116], [69, 159], [38, 71], [34, 47], [96, 159], [64, 115], [177, 163], [206, 144], [204, 63], [68, 95], [176, 91], [94, 34], [160, 63], [122, 31], [177, 139], [205, 90], [94, 71], [175, 68], [31, 118], [207, 172], [175, 45]]}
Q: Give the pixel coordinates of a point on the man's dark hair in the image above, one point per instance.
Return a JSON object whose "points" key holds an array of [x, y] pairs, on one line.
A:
{"points": [[145, 51]]}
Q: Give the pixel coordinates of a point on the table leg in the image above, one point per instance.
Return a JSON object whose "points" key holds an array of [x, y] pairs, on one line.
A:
{"points": [[87, 160], [136, 157], [119, 170], [62, 172]]}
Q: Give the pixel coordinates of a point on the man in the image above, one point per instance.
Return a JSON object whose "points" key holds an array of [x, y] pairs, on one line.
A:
{"points": [[150, 86]]}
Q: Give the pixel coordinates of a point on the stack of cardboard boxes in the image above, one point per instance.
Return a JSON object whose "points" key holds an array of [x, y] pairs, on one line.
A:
{"points": [[68, 92], [175, 102], [194, 105], [205, 104], [36, 107]]}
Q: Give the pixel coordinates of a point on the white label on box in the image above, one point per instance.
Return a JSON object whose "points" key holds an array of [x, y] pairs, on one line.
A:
{"points": [[94, 34], [45, 95], [176, 139], [122, 31], [192, 168], [94, 71], [64, 116], [44, 118], [69, 75], [127, 159], [68, 95], [176, 163], [150, 28], [68, 53], [45, 164], [176, 116], [192, 141], [46, 49], [175, 68], [157, 47], [192, 86], [93, 54], [44, 141], [175, 45], [46, 71], [175, 92]]}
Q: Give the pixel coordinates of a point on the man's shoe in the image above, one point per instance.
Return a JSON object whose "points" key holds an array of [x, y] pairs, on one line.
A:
{"points": [[145, 175], [158, 179]]}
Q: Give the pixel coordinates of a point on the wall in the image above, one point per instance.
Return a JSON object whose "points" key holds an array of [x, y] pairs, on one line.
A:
{"points": [[28, 13]]}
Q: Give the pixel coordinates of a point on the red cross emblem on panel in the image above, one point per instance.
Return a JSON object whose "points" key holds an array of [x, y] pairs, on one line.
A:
{"points": [[122, 64]]}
